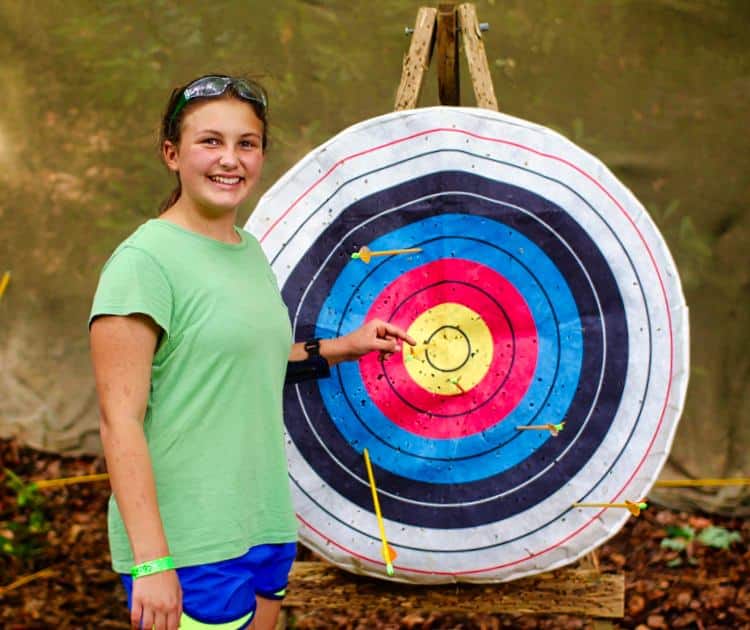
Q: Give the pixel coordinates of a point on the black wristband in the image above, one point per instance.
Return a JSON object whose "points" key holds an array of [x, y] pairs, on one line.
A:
{"points": [[312, 347], [307, 370]]}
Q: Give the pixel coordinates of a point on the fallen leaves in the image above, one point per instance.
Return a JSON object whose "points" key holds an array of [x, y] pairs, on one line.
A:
{"points": [[69, 584]]}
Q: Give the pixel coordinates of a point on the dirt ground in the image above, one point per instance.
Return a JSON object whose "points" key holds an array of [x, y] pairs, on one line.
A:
{"points": [[57, 537]]}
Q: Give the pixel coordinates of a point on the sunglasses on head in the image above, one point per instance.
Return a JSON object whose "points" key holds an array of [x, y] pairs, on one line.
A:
{"points": [[216, 85]]}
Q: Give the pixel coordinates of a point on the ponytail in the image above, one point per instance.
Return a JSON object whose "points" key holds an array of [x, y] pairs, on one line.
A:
{"points": [[173, 196]]}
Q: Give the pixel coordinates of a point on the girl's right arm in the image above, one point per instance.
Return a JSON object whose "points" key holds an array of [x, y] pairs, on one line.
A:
{"points": [[122, 349]]}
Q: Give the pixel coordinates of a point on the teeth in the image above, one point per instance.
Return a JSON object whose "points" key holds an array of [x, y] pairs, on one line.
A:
{"points": [[226, 180]]}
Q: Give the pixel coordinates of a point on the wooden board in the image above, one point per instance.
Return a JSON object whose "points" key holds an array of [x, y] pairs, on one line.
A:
{"points": [[318, 585], [417, 59]]}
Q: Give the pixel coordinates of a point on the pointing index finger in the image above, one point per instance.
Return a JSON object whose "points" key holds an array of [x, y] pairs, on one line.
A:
{"points": [[396, 331]]}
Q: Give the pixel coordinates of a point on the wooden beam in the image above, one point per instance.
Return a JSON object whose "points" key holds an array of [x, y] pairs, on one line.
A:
{"points": [[417, 59], [449, 86], [318, 585], [476, 56]]}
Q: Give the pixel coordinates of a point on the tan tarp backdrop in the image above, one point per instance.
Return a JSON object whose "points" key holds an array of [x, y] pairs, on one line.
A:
{"points": [[657, 89]]}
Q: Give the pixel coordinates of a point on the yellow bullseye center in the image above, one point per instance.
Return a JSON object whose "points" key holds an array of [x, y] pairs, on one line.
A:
{"points": [[453, 351]]}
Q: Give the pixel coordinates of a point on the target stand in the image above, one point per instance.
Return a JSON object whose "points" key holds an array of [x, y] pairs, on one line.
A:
{"points": [[520, 253]]}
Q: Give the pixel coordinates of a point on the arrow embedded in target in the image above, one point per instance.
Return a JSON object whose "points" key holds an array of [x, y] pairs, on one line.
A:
{"points": [[635, 508], [365, 255], [455, 381], [389, 555], [554, 429]]}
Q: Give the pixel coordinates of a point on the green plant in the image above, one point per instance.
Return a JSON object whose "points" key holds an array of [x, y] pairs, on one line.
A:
{"points": [[23, 536], [679, 538], [718, 537], [682, 538]]}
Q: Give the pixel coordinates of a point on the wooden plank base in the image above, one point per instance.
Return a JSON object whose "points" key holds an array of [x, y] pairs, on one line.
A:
{"points": [[318, 585]]}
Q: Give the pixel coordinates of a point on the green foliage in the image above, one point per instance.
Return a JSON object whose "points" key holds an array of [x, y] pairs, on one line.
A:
{"points": [[681, 531], [675, 544], [24, 535], [680, 538], [718, 537]]}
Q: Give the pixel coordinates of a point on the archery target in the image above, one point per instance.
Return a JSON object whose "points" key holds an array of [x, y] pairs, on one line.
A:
{"points": [[540, 293]]}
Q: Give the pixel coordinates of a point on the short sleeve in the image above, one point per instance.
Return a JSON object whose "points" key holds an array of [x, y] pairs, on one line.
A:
{"points": [[133, 282]]}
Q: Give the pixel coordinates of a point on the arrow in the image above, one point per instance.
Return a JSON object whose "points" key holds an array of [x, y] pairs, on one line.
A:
{"points": [[389, 555], [633, 507], [66, 481], [4, 282], [554, 429], [365, 255]]}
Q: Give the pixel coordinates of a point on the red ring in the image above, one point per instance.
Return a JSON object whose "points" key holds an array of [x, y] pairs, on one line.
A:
{"points": [[413, 408]]}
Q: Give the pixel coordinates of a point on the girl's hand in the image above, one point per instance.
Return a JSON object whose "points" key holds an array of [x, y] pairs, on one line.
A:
{"points": [[375, 335], [157, 602]]}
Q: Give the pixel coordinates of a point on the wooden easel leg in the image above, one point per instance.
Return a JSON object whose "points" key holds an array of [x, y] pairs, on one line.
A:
{"points": [[417, 59], [476, 56], [420, 52]]}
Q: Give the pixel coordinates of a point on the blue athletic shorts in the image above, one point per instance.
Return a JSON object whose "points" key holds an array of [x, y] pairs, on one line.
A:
{"points": [[224, 592]]}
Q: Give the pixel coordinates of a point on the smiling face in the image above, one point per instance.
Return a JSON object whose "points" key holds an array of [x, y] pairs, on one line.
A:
{"points": [[219, 157]]}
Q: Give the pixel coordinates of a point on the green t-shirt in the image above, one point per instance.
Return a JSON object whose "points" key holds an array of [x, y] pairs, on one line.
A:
{"points": [[214, 419]]}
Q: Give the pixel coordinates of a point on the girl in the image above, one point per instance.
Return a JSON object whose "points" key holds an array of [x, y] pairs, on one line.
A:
{"points": [[190, 343]]}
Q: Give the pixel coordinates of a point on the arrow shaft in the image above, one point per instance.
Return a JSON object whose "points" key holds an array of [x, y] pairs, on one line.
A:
{"points": [[378, 514], [607, 505], [4, 282], [66, 481], [392, 252]]}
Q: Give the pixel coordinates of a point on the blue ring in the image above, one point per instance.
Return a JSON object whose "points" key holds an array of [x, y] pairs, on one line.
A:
{"points": [[501, 446]]}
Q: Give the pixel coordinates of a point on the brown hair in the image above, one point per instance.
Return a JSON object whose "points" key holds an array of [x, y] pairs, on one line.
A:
{"points": [[171, 124]]}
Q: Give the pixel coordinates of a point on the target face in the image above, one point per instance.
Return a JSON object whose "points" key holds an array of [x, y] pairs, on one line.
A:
{"points": [[540, 293]]}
